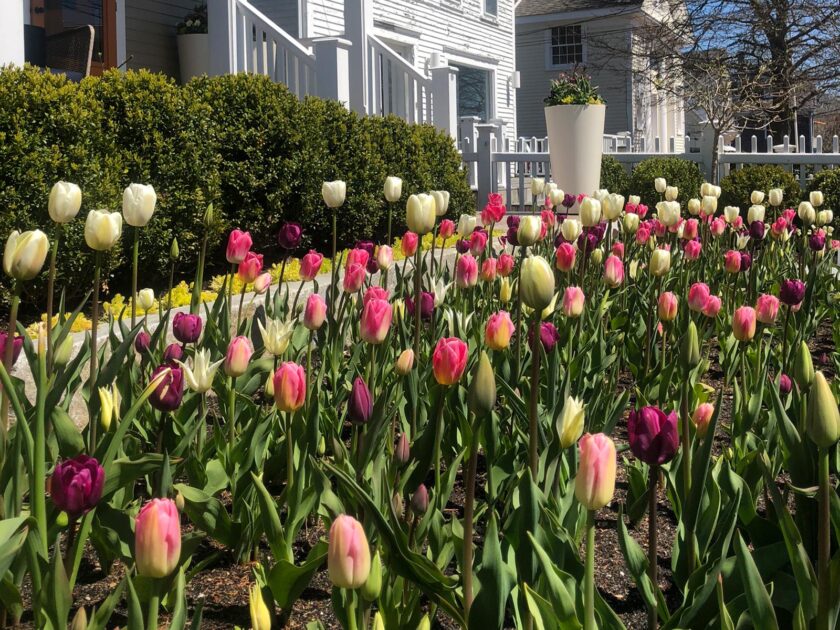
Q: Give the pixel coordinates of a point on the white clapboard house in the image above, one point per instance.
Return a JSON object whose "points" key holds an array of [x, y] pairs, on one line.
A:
{"points": [[431, 61]]}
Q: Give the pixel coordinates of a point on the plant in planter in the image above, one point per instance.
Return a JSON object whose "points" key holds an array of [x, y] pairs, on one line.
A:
{"points": [[193, 44], [574, 119]]}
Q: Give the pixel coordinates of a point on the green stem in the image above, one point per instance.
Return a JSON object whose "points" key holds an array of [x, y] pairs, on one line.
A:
{"points": [[438, 439], [290, 456], [824, 544], [134, 260], [589, 574], [239, 310], [534, 398], [230, 293], [653, 482], [8, 356], [469, 507], [352, 622], [685, 438], [199, 277], [94, 358], [231, 410], [154, 605], [51, 291], [333, 291], [39, 481]]}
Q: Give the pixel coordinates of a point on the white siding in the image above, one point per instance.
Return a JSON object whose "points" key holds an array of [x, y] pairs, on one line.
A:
{"points": [[606, 60], [150, 33]]}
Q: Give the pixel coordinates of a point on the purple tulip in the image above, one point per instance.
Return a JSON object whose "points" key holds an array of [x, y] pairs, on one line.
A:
{"points": [[420, 500], [653, 435], [168, 394], [746, 261], [792, 292], [512, 236], [173, 352], [462, 246], [289, 235], [757, 230], [142, 342], [403, 450], [785, 384], [368, 246], [548, 336], [17, 346], [76, 485], [513, 221], [186, 327], [817, 241], [427, 305], [569, 200], [360, 404]]}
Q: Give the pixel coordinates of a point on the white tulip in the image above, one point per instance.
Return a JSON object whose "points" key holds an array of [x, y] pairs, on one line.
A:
{"points": [[200, 377], [660, 262], [146, 299], [816, 198], [660, 184], [634, 199], [824, 217], [631, 222], [277, 336], [537, 186], [557, 196], [671, 193], [441, 201], [420, 213], [709, 204], [570, 423], [742, 241], [807, 213], [65, 201], [440, 292], [25, 254], [334, 193], [590, 212], [756, 197], [668, 212], [466, 225], [601, 195], [755, 213], [393, 189], [102, 229], [138, 204], [571, 229], [530, 227], [775, 196], [731, 213], [709, 190], [694, 206], [614, 206]]}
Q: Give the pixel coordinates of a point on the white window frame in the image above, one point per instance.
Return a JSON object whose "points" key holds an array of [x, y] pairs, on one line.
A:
{"points": [[486, 14], [549, 58], [491, 82]]}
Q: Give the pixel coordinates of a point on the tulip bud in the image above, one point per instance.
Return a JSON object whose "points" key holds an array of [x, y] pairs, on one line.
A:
{"points": [[393, 189], [348, 554], [106, 407], [570, 423], [157, 538], [743, 323], [209, 216], [498, 331], [803, 367], [536, 282], [376, 321], [25, 254], [595, 479], [146, 299], [360, 404], [482, 394], [334, 193], [289, 387], [138, 204], [80, 620], [405, 362], [420, 214], [269, 386], [315, 312], [373, 585], [65, 201], [420, 500], [260, 615], [767, 308], [573, 301], [378, 623], [701, 418], [505, 291], [64, 351], [402, 452], [238, 356], [425, 623], [823, 420], [174, 251], [667, 306], [398, 505], [690, 349]]}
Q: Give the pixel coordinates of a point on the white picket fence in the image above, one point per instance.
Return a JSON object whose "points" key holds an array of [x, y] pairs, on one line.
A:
{"points": [[495, 164]]}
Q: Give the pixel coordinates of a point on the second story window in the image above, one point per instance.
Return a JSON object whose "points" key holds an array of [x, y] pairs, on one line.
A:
{"points": [[566, 46], [491, 7]]}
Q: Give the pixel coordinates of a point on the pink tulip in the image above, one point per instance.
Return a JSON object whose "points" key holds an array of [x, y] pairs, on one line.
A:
{"points": [[348, 554], [376, 321], [548, 218], [701, 418], [778, 227], [767, 308], [409, 244], [712, 307], [717, 227], [488, 269], [466, 272], [478, 242], [642, 235], [738, 223], [573, 301], [618, 249], [357, 256], [690, 228], [595, 480], [315, 312], [498, 331], [504, 266], [667, 306], [375, 293], [238, 356], [250, 268], [692, 250], [262, 282], [384, 257], [354, 278], [698, 295], [310, 265], [289, 386], [743, 323], [157, 538], [732, 261], [565, 257], [613, 271], [449, 360], [446, 229], [238, 245]]}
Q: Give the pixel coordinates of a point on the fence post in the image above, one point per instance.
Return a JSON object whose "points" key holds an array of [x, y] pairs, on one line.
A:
{"points": [[466, 142], [358, 23], [484, 162], [332, 61], [444, 101], [221, 30]]}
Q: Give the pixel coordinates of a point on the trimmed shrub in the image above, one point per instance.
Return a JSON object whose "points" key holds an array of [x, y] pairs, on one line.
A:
{"points": [[239, 141], [828, 181], [739, 184], [683, 174], [613, 176]]}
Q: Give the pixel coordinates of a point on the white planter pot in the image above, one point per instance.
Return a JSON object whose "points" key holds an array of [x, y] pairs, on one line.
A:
{"points": [[193, 55], [575, 144]]}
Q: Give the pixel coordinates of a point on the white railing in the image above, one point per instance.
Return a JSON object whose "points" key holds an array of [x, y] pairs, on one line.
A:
{"points": [[264, 48], [494, 164], [397, 87]]}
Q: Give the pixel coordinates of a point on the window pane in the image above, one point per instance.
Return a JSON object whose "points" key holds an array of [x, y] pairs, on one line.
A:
{"points": [[491, 7], [473, 92], [566, 45]]}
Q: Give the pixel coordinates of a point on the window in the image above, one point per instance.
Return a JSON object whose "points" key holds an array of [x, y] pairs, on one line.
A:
{"points": [[474, 92], [566, 46], [491, 7]]}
